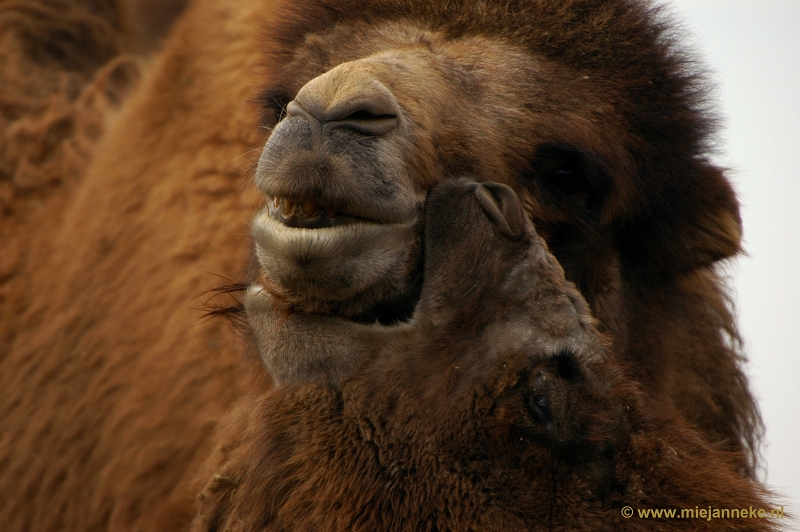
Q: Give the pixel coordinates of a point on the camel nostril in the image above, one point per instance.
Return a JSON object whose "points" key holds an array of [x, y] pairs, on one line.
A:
{"points": [[368, 122], [367, 118], [348, 100]]}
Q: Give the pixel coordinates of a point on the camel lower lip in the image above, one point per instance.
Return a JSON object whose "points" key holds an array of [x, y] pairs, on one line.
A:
{"points": [[312, 235]]}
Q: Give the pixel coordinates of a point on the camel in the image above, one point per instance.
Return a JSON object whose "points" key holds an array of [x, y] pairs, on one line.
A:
{"points": [[128, 185]]}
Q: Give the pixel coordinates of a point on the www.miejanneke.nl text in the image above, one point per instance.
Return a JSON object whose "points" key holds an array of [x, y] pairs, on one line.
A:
{"points": [[708, 513]]}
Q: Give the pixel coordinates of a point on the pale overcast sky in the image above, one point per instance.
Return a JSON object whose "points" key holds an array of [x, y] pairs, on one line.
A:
{"points": [[754, 49]]}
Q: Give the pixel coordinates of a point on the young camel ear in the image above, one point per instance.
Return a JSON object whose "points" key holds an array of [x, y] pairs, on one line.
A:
{"points": [[690, 225]]}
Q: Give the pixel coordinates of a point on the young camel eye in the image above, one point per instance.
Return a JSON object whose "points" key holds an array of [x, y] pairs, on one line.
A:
{"points": [[538, 402], [551, 396]]}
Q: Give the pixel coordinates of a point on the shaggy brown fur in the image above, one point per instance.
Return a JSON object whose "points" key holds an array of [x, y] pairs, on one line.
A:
{"points": [[110, 385], [314, 458], [112, 388], [63, 78], [49, 51], [495, 408], [155, 19]]}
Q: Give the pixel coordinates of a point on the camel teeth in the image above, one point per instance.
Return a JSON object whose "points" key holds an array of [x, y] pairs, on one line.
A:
{"points": [[310, 208], [306, 208]]}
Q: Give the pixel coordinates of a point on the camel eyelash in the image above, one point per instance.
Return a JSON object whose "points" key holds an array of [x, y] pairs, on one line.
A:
{"points": [[564, 168], [273, 103]]}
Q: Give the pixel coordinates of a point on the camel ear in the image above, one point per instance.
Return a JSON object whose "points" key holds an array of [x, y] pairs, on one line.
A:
{"points": [[689, 226]]}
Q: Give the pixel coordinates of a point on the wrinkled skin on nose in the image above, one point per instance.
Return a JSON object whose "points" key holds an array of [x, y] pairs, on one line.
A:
{"points": [[341, 99]]}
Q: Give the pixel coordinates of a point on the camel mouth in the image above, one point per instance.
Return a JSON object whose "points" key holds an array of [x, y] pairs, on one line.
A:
{"points": [[320, 227], [350, 265], [309, 213]]}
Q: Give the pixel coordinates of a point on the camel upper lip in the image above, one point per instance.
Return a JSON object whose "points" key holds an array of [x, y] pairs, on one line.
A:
{"points": [[308, 213]]}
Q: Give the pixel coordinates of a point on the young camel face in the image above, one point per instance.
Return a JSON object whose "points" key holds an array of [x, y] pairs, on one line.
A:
{"points": [[495, 407]]}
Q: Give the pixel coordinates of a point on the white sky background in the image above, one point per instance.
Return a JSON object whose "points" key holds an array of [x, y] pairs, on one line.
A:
{"points": [[753, 48]]}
